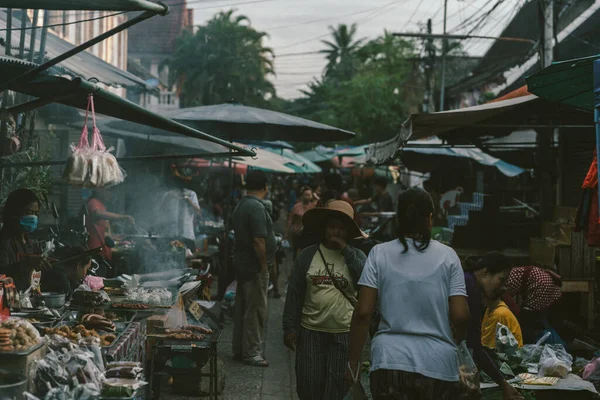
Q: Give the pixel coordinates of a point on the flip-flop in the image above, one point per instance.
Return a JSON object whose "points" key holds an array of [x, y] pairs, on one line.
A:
{"points": [[257, 361]]}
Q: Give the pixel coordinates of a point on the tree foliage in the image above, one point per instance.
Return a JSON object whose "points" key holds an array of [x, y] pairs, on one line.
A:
{"points": [[225, 59]]}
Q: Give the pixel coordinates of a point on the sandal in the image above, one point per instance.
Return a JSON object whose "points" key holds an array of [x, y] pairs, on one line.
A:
{"points": [[257, 361]]}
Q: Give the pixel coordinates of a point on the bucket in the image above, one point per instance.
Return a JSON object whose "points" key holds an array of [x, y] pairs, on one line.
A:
{"points": [[12, 386]]}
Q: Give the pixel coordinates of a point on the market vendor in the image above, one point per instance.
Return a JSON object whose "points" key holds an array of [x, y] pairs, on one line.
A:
{"points": [[382, 199], [67, 277], [485, 279], [538, 290], [97, 221], [21, 257]]}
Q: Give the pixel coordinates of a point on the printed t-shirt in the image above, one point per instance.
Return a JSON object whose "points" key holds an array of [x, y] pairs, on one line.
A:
{"points": [[325, 308]]}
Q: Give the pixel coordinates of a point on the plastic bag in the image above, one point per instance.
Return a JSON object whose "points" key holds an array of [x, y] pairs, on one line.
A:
{"points": [[591, 372], [530, 353], [468, 374], [505, 341], [92, 165], [125, 372], [356, 391], [117, 387], [555, 361]]}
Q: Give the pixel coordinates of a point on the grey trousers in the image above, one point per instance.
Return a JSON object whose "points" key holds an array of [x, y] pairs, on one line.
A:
{"points": [[321, 362], [250, 316]]}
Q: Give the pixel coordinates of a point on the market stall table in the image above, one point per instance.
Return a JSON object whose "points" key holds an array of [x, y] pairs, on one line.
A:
{"points": [[572, 383]]}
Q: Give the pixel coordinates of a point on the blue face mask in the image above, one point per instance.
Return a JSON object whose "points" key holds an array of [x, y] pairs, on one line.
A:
{"points": [[29, 223]]}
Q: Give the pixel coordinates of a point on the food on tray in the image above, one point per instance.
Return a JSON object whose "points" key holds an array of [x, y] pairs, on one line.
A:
{"points": [[124, 372], [157, 297], [201, 329], [80, 332], [111, 291], [97, 321], [130, 306], [88, 299], [17, 335], [185, 336], [530, 379]]}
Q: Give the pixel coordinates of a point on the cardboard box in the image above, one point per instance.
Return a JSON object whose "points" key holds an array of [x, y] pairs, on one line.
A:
{"points": [[542, 251], [558, 231], [564, 215]]}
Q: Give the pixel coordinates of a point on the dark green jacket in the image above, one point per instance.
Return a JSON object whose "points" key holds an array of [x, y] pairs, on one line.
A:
{"points": [[294, 301]]}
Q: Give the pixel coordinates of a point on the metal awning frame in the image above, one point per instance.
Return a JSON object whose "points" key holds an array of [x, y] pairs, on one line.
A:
{"points": [[129, 5], [29, 75]]}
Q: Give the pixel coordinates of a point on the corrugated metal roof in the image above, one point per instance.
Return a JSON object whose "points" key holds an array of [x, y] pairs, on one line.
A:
{"points": [[84, 65], [503, 55]]}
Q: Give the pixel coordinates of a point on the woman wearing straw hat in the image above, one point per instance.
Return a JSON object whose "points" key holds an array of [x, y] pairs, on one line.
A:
{"points": [[320, 301]]}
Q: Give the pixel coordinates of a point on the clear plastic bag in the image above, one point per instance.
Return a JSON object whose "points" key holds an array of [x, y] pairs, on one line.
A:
{"points": [[555, 361], [468, 374], [22, 336], [591, 372], [505, 341]]}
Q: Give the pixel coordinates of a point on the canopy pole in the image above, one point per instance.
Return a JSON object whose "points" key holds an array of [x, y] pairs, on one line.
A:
{"points": [[27, 76]]}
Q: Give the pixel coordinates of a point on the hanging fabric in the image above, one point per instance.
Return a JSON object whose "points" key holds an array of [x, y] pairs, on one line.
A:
{"points": [[588, 217], [92, 165]]}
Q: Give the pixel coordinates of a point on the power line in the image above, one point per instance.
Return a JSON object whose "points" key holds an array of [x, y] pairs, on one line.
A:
{"points": [[413, 14], [63, 24]]}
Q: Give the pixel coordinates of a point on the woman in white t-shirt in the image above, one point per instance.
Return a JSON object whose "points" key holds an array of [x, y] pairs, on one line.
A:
{"points": [[417, 284]]}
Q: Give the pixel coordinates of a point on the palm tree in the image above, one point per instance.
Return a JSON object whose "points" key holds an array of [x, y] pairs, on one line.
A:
{"points": [[341, 51], [225, 59]]}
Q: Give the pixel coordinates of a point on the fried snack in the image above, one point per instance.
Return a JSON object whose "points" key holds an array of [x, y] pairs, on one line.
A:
{"points": [[199, 329], [185, 336], [127, 306], [181, 331]]}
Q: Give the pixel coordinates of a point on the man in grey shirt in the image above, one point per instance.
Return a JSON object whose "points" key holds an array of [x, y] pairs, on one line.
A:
{"points": [[254, 252]]}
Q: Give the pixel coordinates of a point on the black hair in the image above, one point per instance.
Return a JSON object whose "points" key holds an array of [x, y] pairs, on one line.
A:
{"points": [[334, 182], [330, 195], [72, 251], [16, 201], [380, 181], [494, 262], [304, 189], [414, 209], [256, 180]]}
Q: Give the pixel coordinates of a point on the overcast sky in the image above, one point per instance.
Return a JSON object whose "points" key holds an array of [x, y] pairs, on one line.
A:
{"points": [[298, 26]]}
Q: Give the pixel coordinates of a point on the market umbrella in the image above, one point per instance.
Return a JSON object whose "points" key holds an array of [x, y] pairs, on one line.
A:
{"points": [[569, 82], [302, 165], [236, 122]]}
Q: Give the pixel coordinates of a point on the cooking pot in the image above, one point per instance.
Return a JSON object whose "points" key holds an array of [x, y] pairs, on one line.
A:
{"points": [[53, 299]]}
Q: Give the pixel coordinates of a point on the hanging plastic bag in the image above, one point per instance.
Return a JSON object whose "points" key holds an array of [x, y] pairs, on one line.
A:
{"points": [[505, 340], [92, 165], [356, 391], [555, 361], [468, 374]]}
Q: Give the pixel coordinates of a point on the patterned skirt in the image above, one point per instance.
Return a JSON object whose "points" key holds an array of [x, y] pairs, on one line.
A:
{"points": [[402, 385]]}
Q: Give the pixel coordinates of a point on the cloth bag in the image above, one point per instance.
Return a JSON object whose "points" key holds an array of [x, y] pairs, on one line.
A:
{"points": [[92, 165]]}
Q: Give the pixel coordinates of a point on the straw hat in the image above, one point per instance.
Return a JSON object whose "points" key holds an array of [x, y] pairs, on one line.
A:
{"points": [[314, 220]]}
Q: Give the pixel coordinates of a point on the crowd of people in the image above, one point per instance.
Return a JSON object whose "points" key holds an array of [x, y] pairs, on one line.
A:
{"points": [[413, 294]]}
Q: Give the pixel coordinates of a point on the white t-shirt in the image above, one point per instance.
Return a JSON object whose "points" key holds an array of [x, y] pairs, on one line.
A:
{"points": [[413, 289], [187, 214]]}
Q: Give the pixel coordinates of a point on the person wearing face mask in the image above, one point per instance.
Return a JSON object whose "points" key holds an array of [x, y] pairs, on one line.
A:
{"points": [[486, 279], [21, 257], [320, 301]]}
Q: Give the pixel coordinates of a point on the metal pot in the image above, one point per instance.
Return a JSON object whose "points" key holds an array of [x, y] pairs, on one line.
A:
{"points": [[53, 299]]}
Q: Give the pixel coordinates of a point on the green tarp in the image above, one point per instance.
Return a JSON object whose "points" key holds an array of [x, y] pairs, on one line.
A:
{"points": [[568, 82]]}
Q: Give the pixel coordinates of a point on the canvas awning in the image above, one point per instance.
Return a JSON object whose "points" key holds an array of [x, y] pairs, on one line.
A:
{"points": [[474, 154], [98, 5], [491, 119], [49, 89]]}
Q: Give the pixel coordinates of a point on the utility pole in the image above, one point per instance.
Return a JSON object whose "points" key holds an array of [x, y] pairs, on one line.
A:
{"points": [[444, 49], [545, 136], [428, 103], [547, 31]]}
